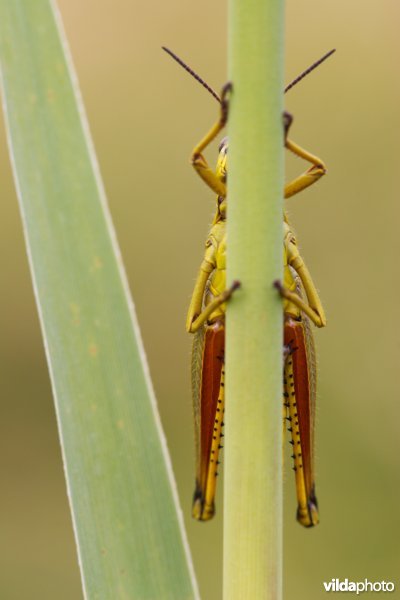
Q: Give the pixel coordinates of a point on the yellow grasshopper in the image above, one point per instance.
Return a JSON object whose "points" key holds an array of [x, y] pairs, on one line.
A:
{"points": [[206, 320]]}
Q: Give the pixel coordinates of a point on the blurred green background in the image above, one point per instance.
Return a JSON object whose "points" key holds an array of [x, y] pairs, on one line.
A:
{"points": [[145, 116]]}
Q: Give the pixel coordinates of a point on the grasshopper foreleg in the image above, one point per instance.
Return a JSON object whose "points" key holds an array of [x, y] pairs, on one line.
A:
{"points": [[197, 159], [315, 172]]}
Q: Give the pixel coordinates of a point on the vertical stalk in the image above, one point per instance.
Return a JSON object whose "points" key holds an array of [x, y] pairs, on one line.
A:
{"points": [[253, 472]]}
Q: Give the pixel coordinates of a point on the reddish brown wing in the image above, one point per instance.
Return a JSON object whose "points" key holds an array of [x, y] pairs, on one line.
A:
{"points": [[298, 336], [207, 405]]}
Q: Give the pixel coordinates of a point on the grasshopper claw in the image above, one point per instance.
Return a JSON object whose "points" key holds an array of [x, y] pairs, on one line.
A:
{"points": [[226, 90], [287, 121], [235, 285]]}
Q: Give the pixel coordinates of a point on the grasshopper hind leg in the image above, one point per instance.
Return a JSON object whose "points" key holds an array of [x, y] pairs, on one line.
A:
{"points": [[204, 494], [307, 509], [209, 397]]}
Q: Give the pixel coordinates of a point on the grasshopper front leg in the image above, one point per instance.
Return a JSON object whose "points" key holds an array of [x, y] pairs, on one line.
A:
{"points": [[197, 159], [313, 174]]}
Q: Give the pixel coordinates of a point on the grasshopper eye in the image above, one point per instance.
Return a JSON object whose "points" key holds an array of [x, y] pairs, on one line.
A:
{"points": [[223, 145]]}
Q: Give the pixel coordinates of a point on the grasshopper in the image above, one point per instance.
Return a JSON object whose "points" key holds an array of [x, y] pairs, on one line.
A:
{"points": [[206, 320]]}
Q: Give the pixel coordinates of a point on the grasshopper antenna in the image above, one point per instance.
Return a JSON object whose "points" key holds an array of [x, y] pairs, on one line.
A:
{"points": [[215, 95], [192, 73], [307, 71]]}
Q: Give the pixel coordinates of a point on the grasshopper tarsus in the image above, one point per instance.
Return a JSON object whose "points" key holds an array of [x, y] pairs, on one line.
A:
{"points": [[236, 284], [228, 292], [278, 285], [287, 118], [226, 90]]}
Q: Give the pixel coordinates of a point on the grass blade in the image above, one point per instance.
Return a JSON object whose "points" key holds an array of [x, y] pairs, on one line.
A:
{"points": [[127, 522]]}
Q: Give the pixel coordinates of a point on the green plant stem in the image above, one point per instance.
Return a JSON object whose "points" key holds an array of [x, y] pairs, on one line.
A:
{"points": [[127, 521], [253, 443]]}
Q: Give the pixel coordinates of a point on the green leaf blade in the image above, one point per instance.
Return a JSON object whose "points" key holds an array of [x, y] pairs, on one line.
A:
{"points": [[126, 517]]}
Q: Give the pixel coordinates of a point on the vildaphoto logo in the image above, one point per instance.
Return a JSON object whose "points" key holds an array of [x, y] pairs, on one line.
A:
{"points": [[345, 585]]}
